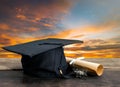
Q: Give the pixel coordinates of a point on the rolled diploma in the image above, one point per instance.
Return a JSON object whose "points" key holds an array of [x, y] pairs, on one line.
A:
{"points": [[92, 68]]}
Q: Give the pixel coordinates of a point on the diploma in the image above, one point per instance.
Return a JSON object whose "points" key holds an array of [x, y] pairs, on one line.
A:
{"points": [[90, 67]]}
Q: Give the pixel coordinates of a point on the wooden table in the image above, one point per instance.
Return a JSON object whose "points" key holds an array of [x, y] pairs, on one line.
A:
{"points": [[11, 76]]}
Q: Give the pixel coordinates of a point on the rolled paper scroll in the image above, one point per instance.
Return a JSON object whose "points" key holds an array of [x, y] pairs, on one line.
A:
{"points": [[90, 67]]}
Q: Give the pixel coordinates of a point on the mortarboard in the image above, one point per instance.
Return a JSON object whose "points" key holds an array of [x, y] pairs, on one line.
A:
{"points": [[43, 58]]}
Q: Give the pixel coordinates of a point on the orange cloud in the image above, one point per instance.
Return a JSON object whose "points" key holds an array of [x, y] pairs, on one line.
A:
{"points": [[63, 34], [6, 54], [96, 48], [48, 25], [54, 10], [26, 22], [22, 17], [4, 26], [34, 18], [102, 54], [9, 40]]}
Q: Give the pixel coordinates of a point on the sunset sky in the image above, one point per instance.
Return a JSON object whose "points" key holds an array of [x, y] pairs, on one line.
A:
{"points": [[96, 22]]}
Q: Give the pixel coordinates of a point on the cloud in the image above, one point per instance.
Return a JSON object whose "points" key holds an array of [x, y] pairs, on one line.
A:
{"points": [[24, 21], [101, 47], [115, 39], [28, 20], [42, 15], [22, 17], [95, 44], [95, 49], [4, 39], [4, 26]]}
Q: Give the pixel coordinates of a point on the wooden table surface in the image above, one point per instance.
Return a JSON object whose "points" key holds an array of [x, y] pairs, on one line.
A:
{"points": [[11, 76]]}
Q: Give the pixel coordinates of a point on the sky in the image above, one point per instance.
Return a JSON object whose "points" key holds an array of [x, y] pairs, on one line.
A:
{"points": [[96, 22]]}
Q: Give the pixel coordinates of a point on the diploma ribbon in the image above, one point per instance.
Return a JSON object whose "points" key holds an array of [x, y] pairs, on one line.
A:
{"points": [[73, 60]]}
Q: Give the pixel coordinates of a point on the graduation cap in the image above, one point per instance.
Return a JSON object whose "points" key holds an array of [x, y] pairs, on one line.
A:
{"points": [[43, 58]]}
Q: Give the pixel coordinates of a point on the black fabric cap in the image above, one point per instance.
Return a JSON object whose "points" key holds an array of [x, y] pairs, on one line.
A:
{"points": [[44, 58], [36, 47]]}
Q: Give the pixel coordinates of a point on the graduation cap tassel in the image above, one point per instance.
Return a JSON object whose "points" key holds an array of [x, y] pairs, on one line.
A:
{"points": [[87, 67], [61, 72], [80, 72]]}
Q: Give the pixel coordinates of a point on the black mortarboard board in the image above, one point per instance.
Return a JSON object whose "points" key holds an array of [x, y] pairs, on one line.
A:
{"points": [[39, 46], [43, 58]]}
